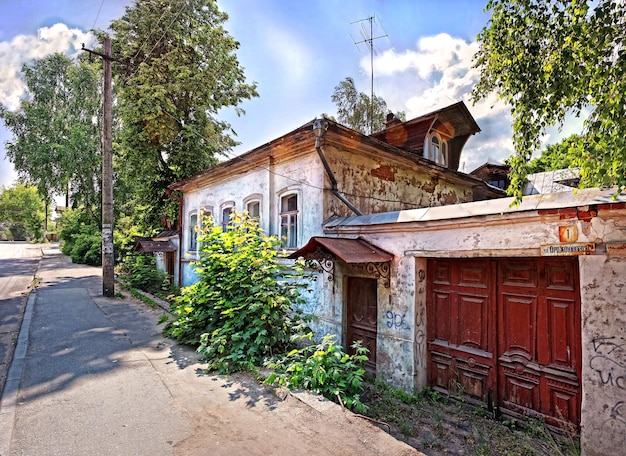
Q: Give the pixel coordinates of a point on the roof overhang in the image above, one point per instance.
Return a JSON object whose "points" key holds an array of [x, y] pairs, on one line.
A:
{"points": [[155, 246], [321, 252]]}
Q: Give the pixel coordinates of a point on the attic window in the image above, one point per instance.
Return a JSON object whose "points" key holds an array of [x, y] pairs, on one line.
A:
{"points": [[436, 149]]}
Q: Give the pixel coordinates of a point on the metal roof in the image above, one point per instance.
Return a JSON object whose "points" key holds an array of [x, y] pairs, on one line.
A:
{"points": [[499, 206], [154, 246], [350, 251]]}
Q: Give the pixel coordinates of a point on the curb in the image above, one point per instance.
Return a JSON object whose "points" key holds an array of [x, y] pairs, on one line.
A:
{"points": [[8, 401]]}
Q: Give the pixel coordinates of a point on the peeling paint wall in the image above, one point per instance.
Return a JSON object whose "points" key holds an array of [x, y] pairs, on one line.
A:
{"points": [[603, 299], [374, 185]]}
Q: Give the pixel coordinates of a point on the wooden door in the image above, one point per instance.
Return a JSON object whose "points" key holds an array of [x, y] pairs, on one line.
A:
{"points": [[539, 346], [362, 311], [507, 333], [460, 333], [170, 262]]}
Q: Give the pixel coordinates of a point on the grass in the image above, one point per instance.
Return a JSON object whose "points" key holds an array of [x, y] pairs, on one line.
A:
{"points": [[437, 425]]}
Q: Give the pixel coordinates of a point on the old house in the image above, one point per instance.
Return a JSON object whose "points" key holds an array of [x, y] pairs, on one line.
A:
{"points": [[519, 309], [304, 178]]}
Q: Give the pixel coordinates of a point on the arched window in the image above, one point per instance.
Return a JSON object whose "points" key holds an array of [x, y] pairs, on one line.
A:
{"points": [[436, 149], [193, 231]]}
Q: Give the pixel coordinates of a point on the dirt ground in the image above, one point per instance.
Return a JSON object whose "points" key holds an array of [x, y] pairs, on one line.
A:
{"points": [[436, 425]]}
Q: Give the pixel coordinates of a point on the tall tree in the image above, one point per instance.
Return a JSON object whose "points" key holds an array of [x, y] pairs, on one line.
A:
{"points": [[56, 141], [357, 110], [551, 58], [562, 155], [23, 210], [182, 70]]}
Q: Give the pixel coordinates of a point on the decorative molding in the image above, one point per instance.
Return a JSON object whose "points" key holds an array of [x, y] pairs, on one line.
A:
{"points": [[380, 270], [322, 261]]}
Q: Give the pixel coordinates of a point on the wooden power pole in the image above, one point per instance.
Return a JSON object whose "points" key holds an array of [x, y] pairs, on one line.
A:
{"points": [[108, 277], [108, 280]]}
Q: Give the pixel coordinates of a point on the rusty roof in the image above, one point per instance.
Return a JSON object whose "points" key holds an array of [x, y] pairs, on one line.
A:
{"points": [[350, 251]]}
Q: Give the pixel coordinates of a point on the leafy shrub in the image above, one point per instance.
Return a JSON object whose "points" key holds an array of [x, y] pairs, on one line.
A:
{"points": [[240, 311], [81, 237], [140, 271], [87, 249], [323, 368]]}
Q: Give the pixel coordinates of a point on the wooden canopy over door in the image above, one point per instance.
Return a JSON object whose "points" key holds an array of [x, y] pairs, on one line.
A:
{"points": [[506, 333]]}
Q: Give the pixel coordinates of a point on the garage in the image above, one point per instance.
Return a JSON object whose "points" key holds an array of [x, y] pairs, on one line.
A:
{"points": [[505, 333]]}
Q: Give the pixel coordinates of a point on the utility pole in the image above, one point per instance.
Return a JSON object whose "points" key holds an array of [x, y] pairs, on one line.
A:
{"points": [[108, 278]]}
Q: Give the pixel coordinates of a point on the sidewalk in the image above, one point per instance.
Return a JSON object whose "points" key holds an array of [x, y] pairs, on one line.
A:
{"points": [[98, 378]]}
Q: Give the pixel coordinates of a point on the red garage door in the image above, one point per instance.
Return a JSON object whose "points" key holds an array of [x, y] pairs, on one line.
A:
{"points": [[506, 333]]}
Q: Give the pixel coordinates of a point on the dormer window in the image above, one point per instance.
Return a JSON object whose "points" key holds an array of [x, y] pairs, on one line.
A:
{"points": [[436, 149]]}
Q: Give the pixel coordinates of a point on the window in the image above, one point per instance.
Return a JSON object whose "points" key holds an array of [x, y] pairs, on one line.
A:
{"points": [[289, 221], [193, 232], [436, 149], [254, 209], [226, 211]]}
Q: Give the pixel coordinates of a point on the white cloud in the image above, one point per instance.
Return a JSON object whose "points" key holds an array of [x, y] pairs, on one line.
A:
{"points": [[290, 63], [24, 48], [441, 68]]}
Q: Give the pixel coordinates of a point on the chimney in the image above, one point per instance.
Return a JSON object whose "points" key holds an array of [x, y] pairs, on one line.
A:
{"points": [[392, 120]]}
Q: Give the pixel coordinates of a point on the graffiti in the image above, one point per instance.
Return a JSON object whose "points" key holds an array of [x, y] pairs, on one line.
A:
{"points": [[419, 345], [618, 412], [397, 321], [419, 318], [608, 361]]}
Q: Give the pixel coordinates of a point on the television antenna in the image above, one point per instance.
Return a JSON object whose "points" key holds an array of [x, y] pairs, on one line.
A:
{"points": [[368, 37]]}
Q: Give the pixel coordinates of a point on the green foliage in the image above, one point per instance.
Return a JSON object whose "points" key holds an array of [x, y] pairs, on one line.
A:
{"points": [[241, 310], [22, 212], [82, 239], [139, 271], [323, 368], [168, 103], [562, 155], [359, 111], [56, 143], [551, 58], [87, 249]]}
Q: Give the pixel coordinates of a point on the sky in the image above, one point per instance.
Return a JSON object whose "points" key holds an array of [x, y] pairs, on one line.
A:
{"points": [[297, 52]]}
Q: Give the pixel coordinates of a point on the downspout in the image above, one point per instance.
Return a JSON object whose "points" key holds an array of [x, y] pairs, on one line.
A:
{"points": [[180, 233], [319, 129]]}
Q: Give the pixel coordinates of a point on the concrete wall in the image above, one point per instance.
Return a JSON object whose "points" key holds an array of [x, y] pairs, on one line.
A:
{"points": [[603, 296]]}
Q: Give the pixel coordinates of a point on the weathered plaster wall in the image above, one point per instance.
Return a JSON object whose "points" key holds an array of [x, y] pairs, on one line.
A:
{"points": [[374, 185], [270, 182], [602, 289], [603, 301]]}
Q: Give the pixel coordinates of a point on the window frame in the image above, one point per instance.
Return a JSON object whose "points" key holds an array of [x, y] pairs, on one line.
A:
{"points": [[192, 231], [291, 242], [252, 199], [230, 206], [436, 153]]}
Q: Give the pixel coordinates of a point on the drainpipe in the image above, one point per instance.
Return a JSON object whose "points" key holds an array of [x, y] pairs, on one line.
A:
{"points": [[320, 126], [180, 234]]}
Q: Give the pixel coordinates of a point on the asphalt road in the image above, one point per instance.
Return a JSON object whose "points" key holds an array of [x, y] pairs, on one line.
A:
{"points": [[18, 263]]}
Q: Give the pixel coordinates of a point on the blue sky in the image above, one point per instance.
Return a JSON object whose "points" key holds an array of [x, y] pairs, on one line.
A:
{"points": [[297, 51]]}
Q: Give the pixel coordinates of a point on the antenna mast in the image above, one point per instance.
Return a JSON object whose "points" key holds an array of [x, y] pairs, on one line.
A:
{"points": [[368, 38]]}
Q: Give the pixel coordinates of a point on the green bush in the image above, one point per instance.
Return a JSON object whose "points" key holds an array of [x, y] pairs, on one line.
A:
{"points": [[325, 369], [241, 310], [140, 271], [87, 249]]}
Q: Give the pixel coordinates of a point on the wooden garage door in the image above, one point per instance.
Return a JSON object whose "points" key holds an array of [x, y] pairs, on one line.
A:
{"points": [[506, 333]]}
